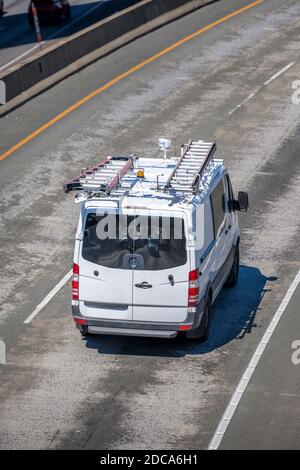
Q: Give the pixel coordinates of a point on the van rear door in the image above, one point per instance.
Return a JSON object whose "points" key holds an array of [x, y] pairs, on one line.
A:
{"points": [[160, 283], [105, 276]]}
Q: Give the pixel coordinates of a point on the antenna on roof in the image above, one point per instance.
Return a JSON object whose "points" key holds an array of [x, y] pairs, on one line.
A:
{"points": [[165, 145]]}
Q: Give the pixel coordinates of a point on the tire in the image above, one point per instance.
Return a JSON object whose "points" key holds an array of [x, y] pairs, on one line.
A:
{"points": [[206, 320], [232, 278], [201, 333]]}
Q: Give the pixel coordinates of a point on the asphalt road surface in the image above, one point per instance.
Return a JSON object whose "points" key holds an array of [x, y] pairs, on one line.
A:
{"points": [[233, 83], [18, 39]]}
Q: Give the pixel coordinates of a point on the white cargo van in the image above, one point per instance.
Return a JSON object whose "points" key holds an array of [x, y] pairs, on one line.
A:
{"points": [[156, 241]]}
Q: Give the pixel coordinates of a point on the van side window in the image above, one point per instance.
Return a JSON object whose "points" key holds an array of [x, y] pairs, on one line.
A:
{"points": [[217, 202]]}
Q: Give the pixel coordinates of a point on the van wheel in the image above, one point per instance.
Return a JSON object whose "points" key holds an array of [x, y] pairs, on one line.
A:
{"points": [[206, 320], [234, 272]]}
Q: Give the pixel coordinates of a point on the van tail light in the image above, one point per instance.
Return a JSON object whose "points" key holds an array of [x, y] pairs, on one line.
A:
{"points": [[75, 282], [194, 290], [80, 321], [185, 327]]}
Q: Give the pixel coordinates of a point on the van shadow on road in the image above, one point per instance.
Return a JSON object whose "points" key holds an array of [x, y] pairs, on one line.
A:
{"points": [[234, 314]]}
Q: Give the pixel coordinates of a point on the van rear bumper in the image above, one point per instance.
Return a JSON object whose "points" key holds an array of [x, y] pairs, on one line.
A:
{"points": [[134, 328], [104, 330]]}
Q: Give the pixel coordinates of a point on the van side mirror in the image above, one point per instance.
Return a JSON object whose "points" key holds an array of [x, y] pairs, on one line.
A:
{"points": [[242, 203]]}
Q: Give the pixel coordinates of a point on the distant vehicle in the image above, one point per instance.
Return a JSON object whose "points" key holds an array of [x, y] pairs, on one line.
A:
{"points": [[1, 7], [50, 11], [162, 265]]}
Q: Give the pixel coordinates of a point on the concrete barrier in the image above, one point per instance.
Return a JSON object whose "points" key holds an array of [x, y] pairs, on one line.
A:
{"points": [[48, 67]]}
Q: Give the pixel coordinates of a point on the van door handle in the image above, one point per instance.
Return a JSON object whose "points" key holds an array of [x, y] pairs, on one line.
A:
{"points": [[144, 285]]}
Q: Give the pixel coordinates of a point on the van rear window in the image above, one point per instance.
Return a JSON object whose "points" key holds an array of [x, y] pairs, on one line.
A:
{"points": [[156, 243]]}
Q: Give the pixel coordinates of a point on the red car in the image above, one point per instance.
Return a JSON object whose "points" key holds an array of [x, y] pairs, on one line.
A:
{"points": [[51, 11]]}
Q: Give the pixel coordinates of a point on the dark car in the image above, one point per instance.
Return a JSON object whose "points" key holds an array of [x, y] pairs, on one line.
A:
{"points": [[51, 11]]}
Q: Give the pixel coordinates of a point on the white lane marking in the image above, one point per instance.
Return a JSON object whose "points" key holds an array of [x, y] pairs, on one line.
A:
{"points": [[234, 109], [240, 389], [52, 36], [240, 105], [276, 75], [250, 96], [49, 297]]}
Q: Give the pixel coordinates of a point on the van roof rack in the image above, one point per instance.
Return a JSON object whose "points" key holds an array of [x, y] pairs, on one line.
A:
{"points": [[102, 178], [196, 156], [117, 176]]}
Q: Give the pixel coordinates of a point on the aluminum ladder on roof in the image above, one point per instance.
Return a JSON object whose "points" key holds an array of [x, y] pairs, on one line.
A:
{"points": [[195, 158], [103, 177]]}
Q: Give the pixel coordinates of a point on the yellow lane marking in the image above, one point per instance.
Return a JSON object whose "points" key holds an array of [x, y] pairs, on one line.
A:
{"points": [[122, 76]]}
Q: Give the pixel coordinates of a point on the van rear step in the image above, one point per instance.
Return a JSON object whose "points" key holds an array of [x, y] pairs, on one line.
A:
{"points": [[104, 330]]}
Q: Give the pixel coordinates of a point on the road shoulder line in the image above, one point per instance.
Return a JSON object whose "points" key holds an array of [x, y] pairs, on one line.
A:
{"points": [[49, 297]]}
